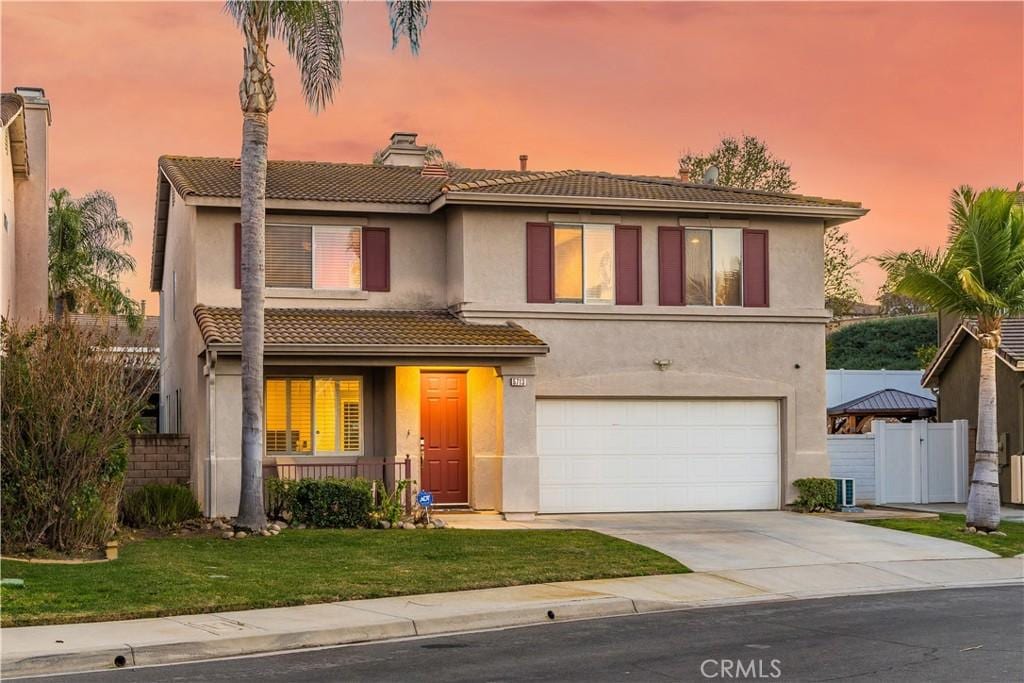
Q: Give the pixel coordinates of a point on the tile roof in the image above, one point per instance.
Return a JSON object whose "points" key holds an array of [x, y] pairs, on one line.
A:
{"points": [[116, 328], [885, 401], [337, 182], [317, 181], [364, 327], [1012, 343]]}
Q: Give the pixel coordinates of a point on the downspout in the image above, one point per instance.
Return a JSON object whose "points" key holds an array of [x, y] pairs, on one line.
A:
{"points": [[210, 370]]}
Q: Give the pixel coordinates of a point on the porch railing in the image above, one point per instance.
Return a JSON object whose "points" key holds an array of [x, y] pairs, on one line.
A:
{"points": [[387, 470]]}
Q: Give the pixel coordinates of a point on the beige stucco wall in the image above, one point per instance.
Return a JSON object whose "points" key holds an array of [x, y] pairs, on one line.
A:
{"points": [[417, 262], [609, 351], [32, 235], [8, 301], [473, 259]]}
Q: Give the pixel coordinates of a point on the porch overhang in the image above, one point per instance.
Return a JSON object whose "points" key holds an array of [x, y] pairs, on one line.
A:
{"points": [[368, 333]]}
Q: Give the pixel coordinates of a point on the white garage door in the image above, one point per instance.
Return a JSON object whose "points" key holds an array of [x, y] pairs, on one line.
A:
{"points": [[604, 455]]}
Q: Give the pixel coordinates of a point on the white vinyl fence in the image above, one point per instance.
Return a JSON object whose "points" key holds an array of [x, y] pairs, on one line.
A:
{"points": [[919, 462]]}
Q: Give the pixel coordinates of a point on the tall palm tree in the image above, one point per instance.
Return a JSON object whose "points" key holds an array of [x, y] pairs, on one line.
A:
{"points": [[86, 238], [311, 30], [980, 277]]}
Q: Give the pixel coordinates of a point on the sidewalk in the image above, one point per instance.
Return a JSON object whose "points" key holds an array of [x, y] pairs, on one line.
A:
{"points": [[80, 647]]}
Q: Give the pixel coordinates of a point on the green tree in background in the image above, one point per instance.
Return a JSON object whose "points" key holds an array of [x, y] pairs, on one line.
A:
{"points": [[893, 303], [749, 164], [87, 238], [979, 277], [884, 344], [311, 31]]}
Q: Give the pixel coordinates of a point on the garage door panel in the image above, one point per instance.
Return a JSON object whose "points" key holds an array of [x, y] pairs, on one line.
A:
{"points": [[648, 455]]}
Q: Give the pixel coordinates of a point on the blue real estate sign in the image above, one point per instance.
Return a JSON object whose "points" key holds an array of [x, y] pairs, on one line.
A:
{"points": [[425, 499]]}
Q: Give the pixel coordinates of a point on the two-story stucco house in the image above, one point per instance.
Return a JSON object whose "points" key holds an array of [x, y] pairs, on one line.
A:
{"points": [[532, 341]]}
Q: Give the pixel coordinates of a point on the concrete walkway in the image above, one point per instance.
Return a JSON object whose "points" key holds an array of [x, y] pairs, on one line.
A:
{"points": [[737, 558], [81, 647]]}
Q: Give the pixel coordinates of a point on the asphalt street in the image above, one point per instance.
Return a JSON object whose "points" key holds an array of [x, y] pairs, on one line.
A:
{"points": [[948, 635]]}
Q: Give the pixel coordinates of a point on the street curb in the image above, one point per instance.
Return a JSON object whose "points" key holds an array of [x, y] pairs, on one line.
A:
{"points": [[600, 606], [198, 650]]}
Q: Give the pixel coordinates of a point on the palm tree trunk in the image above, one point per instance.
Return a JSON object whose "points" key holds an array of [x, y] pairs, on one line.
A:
{"points": [[256, 93], [254, 178], [983, 499]]}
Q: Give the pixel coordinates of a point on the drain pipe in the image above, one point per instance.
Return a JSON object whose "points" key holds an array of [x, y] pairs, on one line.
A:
{"points": [[210, 370]]}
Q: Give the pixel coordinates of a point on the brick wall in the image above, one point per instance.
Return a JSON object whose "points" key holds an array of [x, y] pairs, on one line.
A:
{"points": [[158, 459]]}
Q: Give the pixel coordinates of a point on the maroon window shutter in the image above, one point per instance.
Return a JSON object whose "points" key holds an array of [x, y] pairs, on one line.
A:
{"points": [[377, 259], [671, 267], [628, 277], [540, 263], [755, 268], [238, 255]]}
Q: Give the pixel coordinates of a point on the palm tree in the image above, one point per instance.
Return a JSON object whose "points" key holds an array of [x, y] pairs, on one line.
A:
{"points": [[979, 276], [86, 238], [311, 30]]}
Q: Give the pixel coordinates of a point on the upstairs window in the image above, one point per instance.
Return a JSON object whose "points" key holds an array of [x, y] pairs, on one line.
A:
{"points": [[584, 263], [314, 257], [714, 267]]}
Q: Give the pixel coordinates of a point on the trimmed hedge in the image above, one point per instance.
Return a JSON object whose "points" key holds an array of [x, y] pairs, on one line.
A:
{"points": [[158, 505], [816, 494], [890, 344], [334, 503]]}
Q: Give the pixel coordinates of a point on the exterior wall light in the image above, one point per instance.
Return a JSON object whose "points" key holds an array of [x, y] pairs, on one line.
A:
{"points": [[662, 363]]}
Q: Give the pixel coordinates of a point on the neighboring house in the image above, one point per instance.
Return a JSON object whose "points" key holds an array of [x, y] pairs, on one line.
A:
{"points": [[954, 375], [25, 118], [845, 385], [565, 341], [890, 405], [122, 339]]}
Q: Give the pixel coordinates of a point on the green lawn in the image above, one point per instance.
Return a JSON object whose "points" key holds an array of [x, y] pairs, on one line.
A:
{"points": [[168, 576], [946, 527]]}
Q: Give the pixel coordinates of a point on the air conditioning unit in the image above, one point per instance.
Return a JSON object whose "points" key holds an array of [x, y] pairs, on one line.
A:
{"points": [[1017, 479], [846, 494]]}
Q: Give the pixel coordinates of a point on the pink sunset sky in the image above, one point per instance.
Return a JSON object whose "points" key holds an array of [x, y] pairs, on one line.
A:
{"points": [[889, 104]]}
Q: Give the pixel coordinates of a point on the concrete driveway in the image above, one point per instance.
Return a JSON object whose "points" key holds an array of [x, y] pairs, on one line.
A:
{"points": [[719, 541]]}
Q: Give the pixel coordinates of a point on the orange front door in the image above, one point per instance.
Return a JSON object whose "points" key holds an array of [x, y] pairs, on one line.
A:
{"points": [[443, 425]]}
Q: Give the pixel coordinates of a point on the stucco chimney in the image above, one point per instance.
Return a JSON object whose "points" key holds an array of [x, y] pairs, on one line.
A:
{"points": [[30, 209], [684, 173], [522, 161], [403, 151]]}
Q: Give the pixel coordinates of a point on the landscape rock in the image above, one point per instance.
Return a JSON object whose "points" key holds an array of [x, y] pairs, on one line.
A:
{"points": [[264, 532], [981, 533], [240, 534], [281, 525], [274, 532], [227, 535], [439, 524], [385, 524], [408, 525], [997, 533], [300, 526], [274, 527], [972, 530]]}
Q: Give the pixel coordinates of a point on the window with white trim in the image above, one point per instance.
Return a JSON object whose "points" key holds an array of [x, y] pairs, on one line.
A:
{"points": [[314, 416], [714, 266], [584, 263], [314, 256]]}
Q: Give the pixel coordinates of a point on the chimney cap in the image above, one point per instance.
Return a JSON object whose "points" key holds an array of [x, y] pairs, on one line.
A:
{"points": [[523, 158], [403, 138], [30, 92]]}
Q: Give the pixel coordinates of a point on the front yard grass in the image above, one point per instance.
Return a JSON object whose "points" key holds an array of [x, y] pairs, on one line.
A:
{"points": [[167, 576], [946, 527]]}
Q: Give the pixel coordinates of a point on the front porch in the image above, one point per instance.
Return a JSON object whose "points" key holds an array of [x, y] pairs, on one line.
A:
{"points": [[456, 418]]}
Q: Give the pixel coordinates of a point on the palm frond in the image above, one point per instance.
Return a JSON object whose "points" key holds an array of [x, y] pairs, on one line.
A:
{"points": [[312, 32], [408, 18]]}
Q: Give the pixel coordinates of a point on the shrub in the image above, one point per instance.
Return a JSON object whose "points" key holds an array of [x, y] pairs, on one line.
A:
{"points": [[278, 497], [390, 506], [69, 403], [159, 505], [335, 503], [816, 494]]}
